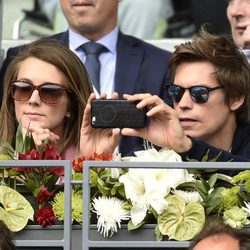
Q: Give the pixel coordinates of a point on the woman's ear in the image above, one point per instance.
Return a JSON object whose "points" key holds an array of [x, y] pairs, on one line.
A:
{"points": [[236, 103]]}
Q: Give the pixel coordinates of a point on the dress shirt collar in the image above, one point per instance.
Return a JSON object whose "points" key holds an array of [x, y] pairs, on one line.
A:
{"points": [[109, 41]]}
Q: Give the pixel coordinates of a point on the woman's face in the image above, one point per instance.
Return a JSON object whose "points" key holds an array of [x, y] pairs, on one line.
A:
{"points": [[34, 110]]}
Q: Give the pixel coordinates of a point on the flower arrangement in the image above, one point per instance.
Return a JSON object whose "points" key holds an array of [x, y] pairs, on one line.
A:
{"points": [[177, 201], [39, 181]]}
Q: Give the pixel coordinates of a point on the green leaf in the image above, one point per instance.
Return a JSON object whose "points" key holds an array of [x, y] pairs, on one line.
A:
{"points": [[225, 178], [187, 186], [205, 157], [102, 188], [212, 180], [202, 188], [113, 191], [93, 178], [7, 151], [132, 227], [214, 200], [19, 139], [158, 234]]}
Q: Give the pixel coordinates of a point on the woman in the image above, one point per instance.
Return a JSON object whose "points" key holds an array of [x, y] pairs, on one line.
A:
{"points": [[46, 88]]}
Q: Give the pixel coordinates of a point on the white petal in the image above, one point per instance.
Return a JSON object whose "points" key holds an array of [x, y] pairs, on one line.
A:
{"points": [[138, 213]]}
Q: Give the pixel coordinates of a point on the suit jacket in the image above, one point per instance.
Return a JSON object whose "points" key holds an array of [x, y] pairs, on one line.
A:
{"points": [[140, 68]]}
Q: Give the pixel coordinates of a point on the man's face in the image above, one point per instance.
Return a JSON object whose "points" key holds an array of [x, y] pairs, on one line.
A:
{"points": [[91, 18], [218, 242], [207, 121], [238, 13]]}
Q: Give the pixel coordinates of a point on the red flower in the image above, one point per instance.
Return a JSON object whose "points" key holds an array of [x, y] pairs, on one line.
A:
{"points": [[45, 216], [44, 195], [57, 171], [78, 162], [101, 157], [51, 153], [30, 155]]}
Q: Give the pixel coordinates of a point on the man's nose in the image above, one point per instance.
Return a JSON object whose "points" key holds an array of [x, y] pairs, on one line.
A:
{"points": [[237, 8], [186, 101]]}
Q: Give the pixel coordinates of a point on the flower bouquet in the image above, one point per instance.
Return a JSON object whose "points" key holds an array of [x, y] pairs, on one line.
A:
{"points": [[41, 182], [177, 201]]}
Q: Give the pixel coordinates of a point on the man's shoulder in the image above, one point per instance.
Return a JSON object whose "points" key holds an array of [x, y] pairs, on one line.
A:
{"points": [[243, 130], [132, 41]]}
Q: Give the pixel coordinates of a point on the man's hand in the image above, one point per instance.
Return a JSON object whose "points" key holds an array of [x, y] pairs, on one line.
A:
{"points": [[97, 140], [164, 128]]}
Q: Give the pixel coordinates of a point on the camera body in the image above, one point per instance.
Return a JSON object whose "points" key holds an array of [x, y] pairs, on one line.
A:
{"points": [[117, 113]]}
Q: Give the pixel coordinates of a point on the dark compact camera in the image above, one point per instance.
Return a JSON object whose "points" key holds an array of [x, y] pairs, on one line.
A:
{"points": [[117, 113]]}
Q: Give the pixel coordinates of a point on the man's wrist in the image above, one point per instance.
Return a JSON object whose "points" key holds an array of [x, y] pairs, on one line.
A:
{"points": [[186, 145]]}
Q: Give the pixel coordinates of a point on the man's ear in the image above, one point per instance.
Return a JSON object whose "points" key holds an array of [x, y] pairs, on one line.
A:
{"points": [[236, 103]]}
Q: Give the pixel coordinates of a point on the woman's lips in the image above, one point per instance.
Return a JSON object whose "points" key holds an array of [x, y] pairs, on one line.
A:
{"points": [[33, 114]]}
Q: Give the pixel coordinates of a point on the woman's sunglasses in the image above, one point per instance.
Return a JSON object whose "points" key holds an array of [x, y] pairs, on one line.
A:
{"points": [[50, 93], [198, 94]]}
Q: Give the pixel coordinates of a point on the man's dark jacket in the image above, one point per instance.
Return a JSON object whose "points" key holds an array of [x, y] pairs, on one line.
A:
{"points": [[140, 68]]}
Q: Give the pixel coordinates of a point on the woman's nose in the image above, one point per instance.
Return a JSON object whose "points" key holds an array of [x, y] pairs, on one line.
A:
{"points": [[35, 98]]}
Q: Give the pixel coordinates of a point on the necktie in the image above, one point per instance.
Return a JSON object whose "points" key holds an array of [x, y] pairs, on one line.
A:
{"points": [[92, 63]]}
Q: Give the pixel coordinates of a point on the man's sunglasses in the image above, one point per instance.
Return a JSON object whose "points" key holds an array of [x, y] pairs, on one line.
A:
{"points": [[50, 93], [198, 94]]}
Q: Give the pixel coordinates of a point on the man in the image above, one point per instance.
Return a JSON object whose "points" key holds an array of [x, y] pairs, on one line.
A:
{"points": [[238, 14], [134, 16], [218, 236], [210, 91], [128, 65]]}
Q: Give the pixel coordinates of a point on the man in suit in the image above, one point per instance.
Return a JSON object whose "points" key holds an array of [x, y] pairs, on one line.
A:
{"points": [[128, 64], [238, 14]]}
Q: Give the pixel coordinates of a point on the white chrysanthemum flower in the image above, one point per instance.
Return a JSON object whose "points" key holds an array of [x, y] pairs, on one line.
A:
{"points": [[110, 214], [189, 196], [247, 208]]}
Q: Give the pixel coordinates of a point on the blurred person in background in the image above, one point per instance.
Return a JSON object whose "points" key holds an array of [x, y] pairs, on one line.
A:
{"points": [[5, 238], [238, 13], [217, 235], [145, 19]]}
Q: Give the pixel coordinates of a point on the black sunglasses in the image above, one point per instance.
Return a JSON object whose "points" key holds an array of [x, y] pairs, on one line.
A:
{"points": [[199, 94], [50, 93]]}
